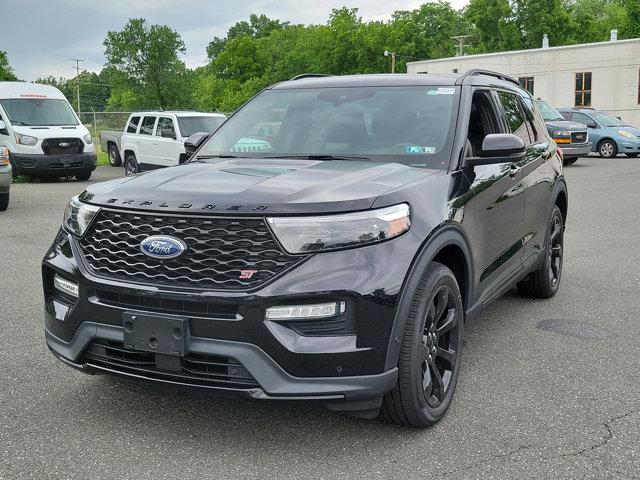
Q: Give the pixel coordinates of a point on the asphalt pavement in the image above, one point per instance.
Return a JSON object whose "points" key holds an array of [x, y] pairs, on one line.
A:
{"points": [[548, 389]]}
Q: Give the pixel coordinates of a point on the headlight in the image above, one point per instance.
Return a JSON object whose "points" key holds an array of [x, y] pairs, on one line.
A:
{"points": [[87, 139], [330, 232], [26, 139], [78, 216], [4, 156], [624, 133], [561, 134]]}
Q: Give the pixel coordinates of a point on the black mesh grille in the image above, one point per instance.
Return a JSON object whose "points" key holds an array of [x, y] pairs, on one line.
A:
{"points": [[194, 369], [62, 146], [218, 250]]}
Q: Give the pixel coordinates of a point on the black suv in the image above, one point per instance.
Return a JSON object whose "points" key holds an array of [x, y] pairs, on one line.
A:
{"points": [[337, 263]]}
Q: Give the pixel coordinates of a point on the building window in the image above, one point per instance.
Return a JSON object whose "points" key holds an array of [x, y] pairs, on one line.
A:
{"points": [[527, 84], [583, 89]]}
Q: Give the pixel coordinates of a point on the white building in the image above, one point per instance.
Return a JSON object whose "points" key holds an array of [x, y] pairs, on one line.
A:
{"points": [[604, 75]]}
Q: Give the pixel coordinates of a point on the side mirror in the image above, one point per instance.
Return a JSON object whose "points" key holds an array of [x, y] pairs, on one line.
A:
{"points": [[592, 125], [168, 133], [499, 148], [3, 128], [194, 142]]}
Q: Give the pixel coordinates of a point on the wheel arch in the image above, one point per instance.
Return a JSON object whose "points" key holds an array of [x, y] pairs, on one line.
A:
{"points": [[561, 199], [449, 245], [604, 139], [128, 151]]}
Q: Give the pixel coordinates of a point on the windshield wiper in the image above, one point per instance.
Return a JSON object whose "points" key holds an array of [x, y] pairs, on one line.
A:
{"points": [[18, 122], [322, 157]]}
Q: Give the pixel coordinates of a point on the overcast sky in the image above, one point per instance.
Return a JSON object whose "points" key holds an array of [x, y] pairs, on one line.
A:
{"points": [[41, 36]]}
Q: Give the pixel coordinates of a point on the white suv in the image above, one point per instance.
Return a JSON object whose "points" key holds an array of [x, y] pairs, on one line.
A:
{"points": [[156, 139]]}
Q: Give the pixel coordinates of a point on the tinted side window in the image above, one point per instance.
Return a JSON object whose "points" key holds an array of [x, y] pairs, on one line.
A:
{"points": [[514, 116], [164, 122], [147, 125], [581, 118], [132, 126]]}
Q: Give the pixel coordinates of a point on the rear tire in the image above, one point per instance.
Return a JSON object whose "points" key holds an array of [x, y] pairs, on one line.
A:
{"points": [[83, 177], [608, 149], [131, 166], [4, 201], [544, 282], [570, 161], [429, 361], [114, 156]]}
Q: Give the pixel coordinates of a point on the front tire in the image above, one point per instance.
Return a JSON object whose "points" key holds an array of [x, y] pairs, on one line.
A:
{"points": [[429, 361], [131, 166], [83, 177], [544, 282], [114, 156], [4, 201], [608, 149]]}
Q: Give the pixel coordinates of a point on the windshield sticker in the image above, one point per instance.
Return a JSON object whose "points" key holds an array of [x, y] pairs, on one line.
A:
{"points": [[446, 91], [419, 150]]}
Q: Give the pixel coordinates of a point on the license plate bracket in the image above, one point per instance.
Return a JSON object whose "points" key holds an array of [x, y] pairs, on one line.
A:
{"points": [[157, 333]]}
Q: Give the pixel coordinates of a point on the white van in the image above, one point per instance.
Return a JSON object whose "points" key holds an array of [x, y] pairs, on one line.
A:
{"points": [[42, 132]]}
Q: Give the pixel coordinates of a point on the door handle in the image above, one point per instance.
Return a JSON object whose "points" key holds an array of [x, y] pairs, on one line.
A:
{"points": [[513, 171]]}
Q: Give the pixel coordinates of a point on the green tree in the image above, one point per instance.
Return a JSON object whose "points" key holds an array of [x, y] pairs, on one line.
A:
{"points": [[149, 56], [6, 72], [494, 29], [535, 18], [631, 26]]}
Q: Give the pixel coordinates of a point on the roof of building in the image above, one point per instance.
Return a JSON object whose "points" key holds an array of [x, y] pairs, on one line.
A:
{"points": [[531, 50]]}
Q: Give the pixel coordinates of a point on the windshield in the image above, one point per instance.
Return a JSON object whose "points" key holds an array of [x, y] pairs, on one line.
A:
{"points": [[548, 112], [608, 120], [411, 125], [206, 124], [39, 111]]}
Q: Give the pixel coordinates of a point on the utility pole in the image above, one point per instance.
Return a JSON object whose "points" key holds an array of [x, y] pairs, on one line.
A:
{"points": [[460, 39], [393, 60], [78, 60]]}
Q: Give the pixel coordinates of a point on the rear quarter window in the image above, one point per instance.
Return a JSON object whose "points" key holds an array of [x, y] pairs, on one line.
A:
{"points": [[132, 126]]}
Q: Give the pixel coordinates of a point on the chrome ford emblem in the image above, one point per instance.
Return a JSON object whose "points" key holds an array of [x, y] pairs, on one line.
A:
{"points": [[159, 246]]}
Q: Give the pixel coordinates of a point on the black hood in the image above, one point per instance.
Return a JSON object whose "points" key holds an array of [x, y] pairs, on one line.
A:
{"points": [[248, 186], [565, 125]]}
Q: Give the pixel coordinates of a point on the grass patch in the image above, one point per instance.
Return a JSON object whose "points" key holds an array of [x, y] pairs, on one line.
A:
{"points": [[20, 179], [103, 157]]}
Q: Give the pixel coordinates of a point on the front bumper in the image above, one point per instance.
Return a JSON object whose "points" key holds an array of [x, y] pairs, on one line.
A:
{"points": [[573, 150], [348, 367], [62, 165], [629, 147]]}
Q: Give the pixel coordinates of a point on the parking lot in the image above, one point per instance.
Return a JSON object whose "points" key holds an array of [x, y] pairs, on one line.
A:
{"points": [[548, 389]]}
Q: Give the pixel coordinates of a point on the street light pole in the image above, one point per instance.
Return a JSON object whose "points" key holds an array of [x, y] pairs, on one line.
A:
{"points": [[78, 60], [393, 60]]}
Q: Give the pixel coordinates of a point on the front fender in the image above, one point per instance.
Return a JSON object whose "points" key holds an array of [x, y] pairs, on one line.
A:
{"points": [[448, 235]]}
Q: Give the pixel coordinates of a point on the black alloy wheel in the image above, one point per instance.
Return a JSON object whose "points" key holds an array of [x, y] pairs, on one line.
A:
{"points": [[544, 282], [430, 351], [439, 346]]}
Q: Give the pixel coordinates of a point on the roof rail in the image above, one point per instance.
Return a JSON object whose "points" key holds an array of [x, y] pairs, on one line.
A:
{"points": [[489, 73], [309, 75]]}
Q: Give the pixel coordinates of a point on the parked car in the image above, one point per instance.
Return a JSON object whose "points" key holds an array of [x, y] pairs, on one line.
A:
{"points": [[609, 134], [5, 178], [43, 134], [153, 140], [339, 265], [110, 143], [571, 136]]}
